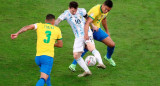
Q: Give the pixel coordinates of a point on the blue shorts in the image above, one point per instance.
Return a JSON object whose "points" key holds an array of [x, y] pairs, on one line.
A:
{"points": [[45, 63], [99, 35]]}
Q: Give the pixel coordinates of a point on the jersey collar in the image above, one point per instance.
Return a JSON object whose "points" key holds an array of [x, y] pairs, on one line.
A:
{"points": [[101, 8], [48, 23]]}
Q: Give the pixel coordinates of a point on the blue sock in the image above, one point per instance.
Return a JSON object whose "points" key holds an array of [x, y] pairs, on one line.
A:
{"points": [[85, 51], [110, 51], [48, 82], [41, 82]]}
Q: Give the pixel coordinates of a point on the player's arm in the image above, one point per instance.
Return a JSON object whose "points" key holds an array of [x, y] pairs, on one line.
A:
{"points": [[86, 17], [61, 18], [57, 21], [59, 40], [104, 24], [93, 26], [25, 28], [59, 43], [86, 27]]}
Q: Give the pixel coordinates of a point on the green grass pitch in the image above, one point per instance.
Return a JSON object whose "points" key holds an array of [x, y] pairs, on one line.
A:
{"points": [[134, 27]]}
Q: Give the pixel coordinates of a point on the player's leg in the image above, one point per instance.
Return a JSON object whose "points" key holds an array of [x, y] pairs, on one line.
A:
{"points": [[110, 49], [45, 69], [100, 35], [74, 63], [37, 60], [80, 61], [48, 82], [95, 52], [85, 51], [77, 52], [77, 47], [42, 79]]}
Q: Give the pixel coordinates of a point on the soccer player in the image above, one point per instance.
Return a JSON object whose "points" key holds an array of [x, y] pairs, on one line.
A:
{"points": [[47, 35], [97, 14], [75, 17]]}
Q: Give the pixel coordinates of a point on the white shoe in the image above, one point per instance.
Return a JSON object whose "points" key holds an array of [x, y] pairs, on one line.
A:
{"points": [[101, 66], [84, 74]]}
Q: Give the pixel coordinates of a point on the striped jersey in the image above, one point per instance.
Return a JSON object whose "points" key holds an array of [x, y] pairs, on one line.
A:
{"points": [[76, 21]]}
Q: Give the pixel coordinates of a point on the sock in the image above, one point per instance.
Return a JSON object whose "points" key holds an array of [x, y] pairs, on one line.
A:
{"points": [[48, 82], [82, 64], [85, 51], [41, 82], [110, 51], [97, 55]]}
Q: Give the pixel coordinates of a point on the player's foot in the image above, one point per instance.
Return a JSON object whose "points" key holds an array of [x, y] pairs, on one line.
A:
{"points": [[84, 74], [72, 67], [101, 66], [111, 61]]}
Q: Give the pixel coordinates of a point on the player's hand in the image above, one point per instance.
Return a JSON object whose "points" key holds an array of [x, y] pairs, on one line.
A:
{"points": [[13, 36], [86, 37], [95, 28]]}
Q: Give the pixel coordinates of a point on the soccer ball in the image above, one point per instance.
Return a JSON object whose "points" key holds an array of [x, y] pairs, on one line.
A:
{"points": [[90, 60]]}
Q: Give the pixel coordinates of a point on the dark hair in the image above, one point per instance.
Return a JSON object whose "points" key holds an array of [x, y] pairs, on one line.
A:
{"points": [[108, 3], [73, 4], [50, 17]]}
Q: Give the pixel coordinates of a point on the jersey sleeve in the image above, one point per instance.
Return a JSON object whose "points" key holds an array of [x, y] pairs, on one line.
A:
{"points": [[84, 12], [63, 16], [93, 12], [59, 37], [36, 26]]}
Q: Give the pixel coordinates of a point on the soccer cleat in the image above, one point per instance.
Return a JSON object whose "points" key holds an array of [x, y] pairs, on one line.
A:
{"points": [[72, 67], [84, 74], [101, 66], [111, 61]]}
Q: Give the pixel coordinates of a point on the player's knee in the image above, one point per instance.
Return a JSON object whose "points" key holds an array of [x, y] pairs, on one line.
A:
{"points": [[90, 47], [112, 45], [44, 76], [75, 55]]}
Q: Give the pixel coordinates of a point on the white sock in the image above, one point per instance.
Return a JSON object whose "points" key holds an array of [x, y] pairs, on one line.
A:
{"points": [[81, 63], [97, 55]]}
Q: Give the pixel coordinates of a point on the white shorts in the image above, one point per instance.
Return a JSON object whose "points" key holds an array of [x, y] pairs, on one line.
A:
{"points": [[79, 43]]}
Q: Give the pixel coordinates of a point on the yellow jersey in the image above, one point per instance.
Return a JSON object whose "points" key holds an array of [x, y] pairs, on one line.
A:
{"points": [[47, 34], [97, 15]]}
